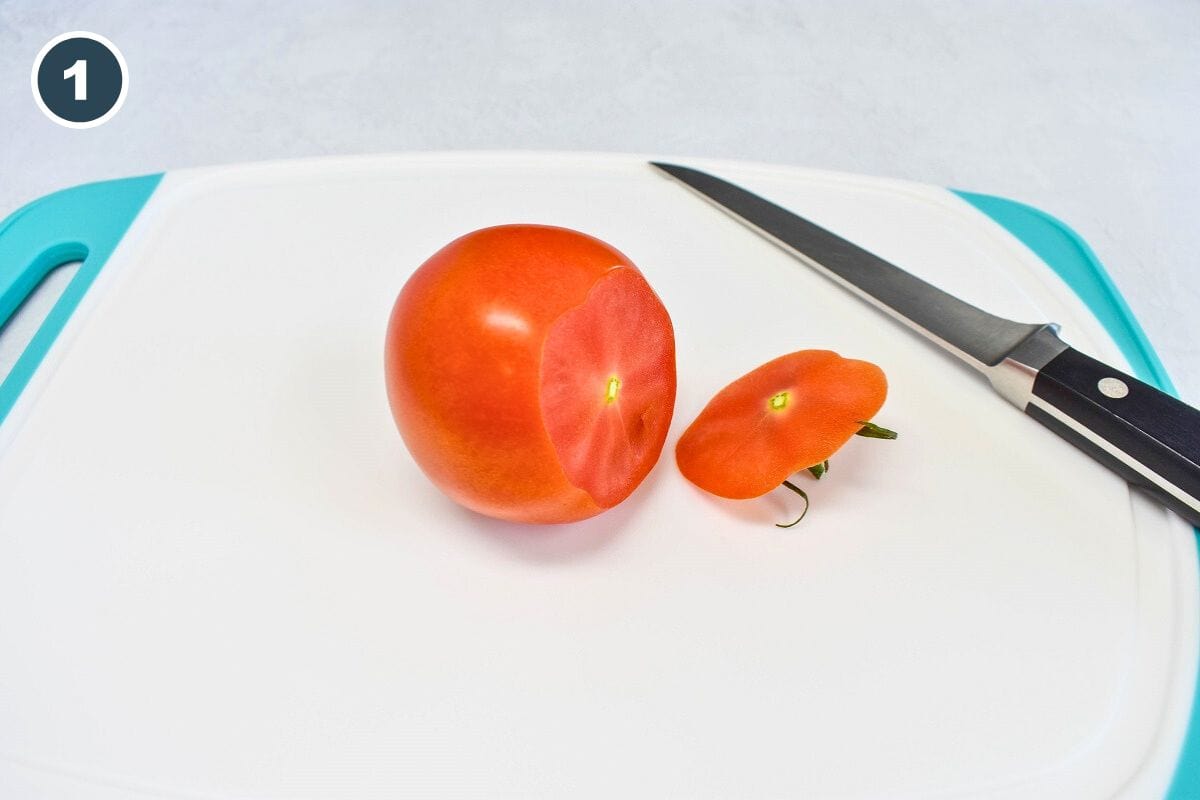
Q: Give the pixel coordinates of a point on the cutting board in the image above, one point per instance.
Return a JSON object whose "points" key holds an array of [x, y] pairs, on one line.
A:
{"points": [[222, 575]]}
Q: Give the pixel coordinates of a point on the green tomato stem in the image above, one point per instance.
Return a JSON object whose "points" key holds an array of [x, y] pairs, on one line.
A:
{"points": [[803, 494], [873, 431], [869, 430]]}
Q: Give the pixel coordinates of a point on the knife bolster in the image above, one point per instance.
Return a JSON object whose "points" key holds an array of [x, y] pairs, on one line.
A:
{"points": [[1015, 376]]}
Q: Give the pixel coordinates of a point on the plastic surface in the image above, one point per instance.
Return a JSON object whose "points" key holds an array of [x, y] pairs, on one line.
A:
{"points": [[1071, 257], [254, 593], [83, 223]]}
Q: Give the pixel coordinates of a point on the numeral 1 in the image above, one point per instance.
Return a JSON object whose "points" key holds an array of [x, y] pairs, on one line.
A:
{"points": [[78, 74]]}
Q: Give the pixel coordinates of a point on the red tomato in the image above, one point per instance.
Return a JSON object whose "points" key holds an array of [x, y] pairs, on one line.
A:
{"points": [[788, 415], [531, 372]]}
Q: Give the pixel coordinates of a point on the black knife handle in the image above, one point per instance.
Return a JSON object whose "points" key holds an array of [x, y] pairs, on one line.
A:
{"points": [[1145, 435]]}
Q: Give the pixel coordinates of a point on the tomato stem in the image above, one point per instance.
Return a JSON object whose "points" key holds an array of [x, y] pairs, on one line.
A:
{"points": [[873, 431], [803, 494]]}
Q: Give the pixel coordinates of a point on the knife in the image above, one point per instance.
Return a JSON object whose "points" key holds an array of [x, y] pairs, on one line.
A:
{"points": [[1144, 435]]}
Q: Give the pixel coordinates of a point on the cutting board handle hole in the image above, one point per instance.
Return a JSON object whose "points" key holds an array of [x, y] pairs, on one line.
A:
{"points": [[26, 320]]}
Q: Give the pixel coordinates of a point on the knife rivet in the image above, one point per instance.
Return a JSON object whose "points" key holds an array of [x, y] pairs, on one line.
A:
{"points": [[1113, 387]]}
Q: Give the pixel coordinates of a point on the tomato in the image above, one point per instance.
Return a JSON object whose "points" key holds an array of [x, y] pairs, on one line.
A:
{"points": [[531, 372], [788, 415]]}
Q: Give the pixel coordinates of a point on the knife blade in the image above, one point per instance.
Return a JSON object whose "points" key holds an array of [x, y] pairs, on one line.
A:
{"points": [[1146, 436]]}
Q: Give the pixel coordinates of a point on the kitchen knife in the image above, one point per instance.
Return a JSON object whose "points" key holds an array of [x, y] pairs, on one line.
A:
{"points": [[1148, 437]]}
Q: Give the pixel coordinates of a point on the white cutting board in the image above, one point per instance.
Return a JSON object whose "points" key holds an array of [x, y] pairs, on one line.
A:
{"points": [[221, 574]]}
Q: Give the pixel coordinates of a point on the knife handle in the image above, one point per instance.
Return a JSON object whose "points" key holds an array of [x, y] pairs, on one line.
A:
{"points": [[1145, 435]]}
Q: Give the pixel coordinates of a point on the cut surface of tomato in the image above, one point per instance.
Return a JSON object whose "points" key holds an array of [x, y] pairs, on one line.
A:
{"points": [[789, 414], [607, 378]]}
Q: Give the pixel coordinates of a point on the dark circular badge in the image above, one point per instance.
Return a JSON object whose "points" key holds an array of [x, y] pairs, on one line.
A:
{"points": [[79, 79]]}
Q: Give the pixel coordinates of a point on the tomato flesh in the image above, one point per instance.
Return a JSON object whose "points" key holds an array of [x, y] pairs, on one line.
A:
{"points": [[608, 385], [531, 373], [789, 414]]}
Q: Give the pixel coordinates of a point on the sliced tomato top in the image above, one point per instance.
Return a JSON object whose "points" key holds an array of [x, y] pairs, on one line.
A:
{"points": [[789, 414]]}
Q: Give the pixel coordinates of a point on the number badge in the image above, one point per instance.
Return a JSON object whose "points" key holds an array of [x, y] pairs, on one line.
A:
{"points": [[79, 80]]}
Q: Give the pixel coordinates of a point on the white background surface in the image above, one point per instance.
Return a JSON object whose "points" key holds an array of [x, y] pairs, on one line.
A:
{"points": [[1088, 110]]}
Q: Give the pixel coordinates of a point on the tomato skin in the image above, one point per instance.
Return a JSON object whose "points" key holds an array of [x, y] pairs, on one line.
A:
{"points": [[464, 358], [741, 446]]}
